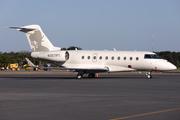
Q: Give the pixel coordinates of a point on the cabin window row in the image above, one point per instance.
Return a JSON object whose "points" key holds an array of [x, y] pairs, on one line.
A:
{"points": [[112, 58]]}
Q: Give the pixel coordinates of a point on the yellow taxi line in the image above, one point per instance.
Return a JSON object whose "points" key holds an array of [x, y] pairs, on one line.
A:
{"points": [[12, 91], [145, 114], [53, 88], [86, 85]]}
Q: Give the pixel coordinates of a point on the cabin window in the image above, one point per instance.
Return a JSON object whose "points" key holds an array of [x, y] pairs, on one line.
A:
{"points": [[100, 57], [124, 58], [130, 58], [88, 57], [94, 57], [118, 58], [112, 58], [106, 58], [82, 57], [137, 58]]}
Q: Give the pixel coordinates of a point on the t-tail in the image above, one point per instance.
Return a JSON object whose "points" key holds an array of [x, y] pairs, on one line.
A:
{"points": [[36, 38]]}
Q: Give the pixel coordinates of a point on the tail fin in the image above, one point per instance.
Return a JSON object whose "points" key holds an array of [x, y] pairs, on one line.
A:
{"points": [[37, 39]]}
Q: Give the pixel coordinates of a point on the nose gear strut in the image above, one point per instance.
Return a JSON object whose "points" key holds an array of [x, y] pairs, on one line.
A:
{"points": [[148, 74]]}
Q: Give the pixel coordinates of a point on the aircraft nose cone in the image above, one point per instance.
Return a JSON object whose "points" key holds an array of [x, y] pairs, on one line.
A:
{"points": [[166, 66], [173, 67]]}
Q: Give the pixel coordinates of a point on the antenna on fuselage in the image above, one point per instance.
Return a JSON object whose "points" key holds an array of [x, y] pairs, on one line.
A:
{"points": [[152, 40], [114, 49]]}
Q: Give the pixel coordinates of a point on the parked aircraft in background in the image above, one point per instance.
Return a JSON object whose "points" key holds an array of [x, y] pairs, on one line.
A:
{"points": [[91, 61]]}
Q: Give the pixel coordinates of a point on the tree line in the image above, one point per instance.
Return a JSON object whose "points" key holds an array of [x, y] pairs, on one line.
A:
{"points": [[173, 57], [16, 57]]}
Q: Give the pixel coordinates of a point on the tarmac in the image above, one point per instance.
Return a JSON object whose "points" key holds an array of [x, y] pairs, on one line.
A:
{"points": [[116, 96]]}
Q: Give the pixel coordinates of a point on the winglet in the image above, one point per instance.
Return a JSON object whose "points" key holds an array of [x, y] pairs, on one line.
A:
{"points": [[30, 63]]}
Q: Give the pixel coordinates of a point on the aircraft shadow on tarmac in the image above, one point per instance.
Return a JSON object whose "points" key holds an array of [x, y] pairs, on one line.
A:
{"points": [[72, 77]]}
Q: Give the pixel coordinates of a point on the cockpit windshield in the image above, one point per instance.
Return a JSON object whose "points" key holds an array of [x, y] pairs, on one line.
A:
{"points": [[152, 56]]}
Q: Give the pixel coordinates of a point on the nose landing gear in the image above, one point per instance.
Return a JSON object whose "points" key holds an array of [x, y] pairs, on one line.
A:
{"points": [[148, 74]]}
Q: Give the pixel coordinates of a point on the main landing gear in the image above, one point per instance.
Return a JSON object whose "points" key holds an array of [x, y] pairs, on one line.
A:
{"points": [[91, 75], [148, 74], [80, 75]]}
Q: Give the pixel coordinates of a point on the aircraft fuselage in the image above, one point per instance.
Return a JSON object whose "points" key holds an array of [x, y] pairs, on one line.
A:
{"points": [[112, 60]]}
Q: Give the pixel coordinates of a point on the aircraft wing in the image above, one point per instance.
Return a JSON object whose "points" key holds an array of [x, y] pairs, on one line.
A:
{"points": [[73, 69]]}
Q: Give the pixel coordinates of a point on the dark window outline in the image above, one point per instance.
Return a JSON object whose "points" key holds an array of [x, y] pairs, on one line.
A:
{"points": [[106, 57], [112, 58], [100, 57], [137, 58], [94, 57], [82, 57]]}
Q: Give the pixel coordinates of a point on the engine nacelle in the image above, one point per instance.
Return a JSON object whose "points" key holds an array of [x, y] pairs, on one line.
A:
{"points": [[56, 57]]}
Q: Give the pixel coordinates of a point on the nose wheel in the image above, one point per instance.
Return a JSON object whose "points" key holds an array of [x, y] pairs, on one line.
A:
{"points": [[148, 74]]}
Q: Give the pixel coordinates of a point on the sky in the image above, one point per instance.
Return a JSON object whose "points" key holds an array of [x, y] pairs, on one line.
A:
{"points": [[126, 25]]}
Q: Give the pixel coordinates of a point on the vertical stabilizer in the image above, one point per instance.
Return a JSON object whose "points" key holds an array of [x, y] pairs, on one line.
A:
{"points": [[36, 38]]}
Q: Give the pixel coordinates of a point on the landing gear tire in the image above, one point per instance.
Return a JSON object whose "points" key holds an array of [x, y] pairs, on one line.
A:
{"points": [[79, 76], [91, 75], [148, 74]]}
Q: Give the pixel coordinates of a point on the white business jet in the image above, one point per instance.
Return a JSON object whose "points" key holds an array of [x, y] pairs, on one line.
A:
{"points": [[91, 61]]}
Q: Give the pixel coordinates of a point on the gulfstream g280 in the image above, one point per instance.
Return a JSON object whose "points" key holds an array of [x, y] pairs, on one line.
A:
{"points": [[91, 61]]}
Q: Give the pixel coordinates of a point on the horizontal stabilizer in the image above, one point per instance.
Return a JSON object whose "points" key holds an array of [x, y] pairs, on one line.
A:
{"points": [[23, 29]]}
